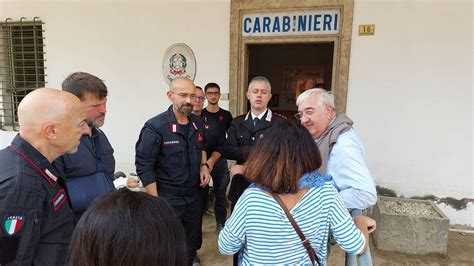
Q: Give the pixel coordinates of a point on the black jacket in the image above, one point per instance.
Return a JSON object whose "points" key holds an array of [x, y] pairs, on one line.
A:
{"points": [[167, 155], [32, 198]]}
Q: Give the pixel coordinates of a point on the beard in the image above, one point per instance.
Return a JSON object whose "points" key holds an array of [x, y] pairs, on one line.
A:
{"points": [[186, 109]]}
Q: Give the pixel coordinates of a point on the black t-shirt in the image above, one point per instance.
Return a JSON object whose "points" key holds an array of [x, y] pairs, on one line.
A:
{"points": [[222, 117]]}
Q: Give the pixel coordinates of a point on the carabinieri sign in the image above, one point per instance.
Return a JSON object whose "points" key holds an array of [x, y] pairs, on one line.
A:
{"points": [[291, 23]]}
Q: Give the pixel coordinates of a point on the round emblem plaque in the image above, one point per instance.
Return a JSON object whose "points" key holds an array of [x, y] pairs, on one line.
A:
{"points": [[179, 61]]}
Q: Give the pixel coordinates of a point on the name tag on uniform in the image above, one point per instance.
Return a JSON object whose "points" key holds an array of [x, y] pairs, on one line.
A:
{"points": [[59, 200], [171, 143]]}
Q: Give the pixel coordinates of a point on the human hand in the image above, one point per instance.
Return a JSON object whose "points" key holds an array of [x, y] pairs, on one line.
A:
{"points": [[366, 223], [237, 169], [204, 176]]}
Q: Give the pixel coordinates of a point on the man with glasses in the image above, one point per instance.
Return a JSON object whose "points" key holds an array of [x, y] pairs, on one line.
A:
{"points": [[218, 164], [171, 160], [342, 153]]}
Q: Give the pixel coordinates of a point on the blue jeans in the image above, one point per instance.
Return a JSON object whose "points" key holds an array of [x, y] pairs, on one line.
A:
{"points": [[362, 260]]}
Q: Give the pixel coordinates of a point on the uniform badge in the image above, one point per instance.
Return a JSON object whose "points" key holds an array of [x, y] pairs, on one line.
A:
{"points": [[53, 177], [200, 138], [59, 200], [13, 224], [221, 118]]}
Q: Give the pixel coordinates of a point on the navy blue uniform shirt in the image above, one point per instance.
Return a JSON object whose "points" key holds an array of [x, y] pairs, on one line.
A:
{"points": [[167, 155], [36, 220]]}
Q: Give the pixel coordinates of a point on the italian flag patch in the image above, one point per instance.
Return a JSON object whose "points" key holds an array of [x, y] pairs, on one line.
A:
{"points": [[13, 224]]}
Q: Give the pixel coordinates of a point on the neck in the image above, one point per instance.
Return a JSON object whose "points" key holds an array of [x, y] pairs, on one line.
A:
{"points": [[43, 148], [213, 108], [182, 119], [257, 112], [198, 113]]}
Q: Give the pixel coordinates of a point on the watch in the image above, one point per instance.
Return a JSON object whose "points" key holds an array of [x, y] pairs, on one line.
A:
{"points": [[205, 164]]}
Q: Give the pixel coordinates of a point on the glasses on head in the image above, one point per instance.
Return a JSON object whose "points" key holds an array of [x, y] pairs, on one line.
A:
{"points": [[307, 112], [185, 95], [213, 93], [200, 98]]}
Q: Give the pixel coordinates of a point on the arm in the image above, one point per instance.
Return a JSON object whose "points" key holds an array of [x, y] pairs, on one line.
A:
{"points": [[147, 150], [233, 235], [232, 150], [342, 227], [366, 225], [204, 175], [351, 176], [25, 207], [215, 156]]}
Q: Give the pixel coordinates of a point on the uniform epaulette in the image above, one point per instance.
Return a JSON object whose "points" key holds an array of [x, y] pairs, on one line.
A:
{"points": [[280, 115]]}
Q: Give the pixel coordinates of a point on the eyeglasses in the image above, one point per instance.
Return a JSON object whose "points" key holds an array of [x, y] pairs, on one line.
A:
{"points": [[307, 112], [185, 95], [211, 93], [200, 98]]}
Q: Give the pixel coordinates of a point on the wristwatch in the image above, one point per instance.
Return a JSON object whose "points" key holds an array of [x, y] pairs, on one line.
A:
{"points": [[205, 164]]}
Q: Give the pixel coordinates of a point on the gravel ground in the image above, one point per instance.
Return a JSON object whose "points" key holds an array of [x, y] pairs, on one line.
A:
{"points": [[410, 208]]}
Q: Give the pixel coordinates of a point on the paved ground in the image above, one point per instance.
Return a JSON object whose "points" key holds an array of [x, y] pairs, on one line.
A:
{"points": [[460, 251]]}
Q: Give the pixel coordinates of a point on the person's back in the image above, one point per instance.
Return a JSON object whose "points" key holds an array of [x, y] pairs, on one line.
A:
{"points": [[282, 167], [270, 237]]}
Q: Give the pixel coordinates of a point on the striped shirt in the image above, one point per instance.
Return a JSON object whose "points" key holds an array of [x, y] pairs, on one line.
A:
{"points": [[260, 228]]}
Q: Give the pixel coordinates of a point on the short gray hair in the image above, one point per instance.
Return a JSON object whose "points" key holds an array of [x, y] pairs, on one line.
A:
{"points": [[324, 97], [260, 79]]}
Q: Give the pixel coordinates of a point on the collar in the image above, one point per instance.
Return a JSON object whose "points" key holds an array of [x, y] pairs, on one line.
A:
{"points": [[267, 112], [173, 122], [38, 159]]}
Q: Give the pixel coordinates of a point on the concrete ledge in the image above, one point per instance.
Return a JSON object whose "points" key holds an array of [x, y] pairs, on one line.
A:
{"points": [[410, 233]]}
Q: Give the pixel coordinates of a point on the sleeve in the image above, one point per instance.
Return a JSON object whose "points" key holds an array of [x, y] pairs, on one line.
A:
{"points": [[351, 175], [20, 214], [228, 121], [232, 150], [346, 234], [232, 237], [147, 150]]}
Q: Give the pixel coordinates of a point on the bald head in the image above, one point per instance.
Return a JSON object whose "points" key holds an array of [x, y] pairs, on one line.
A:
{"points": [[180, 82], [45, 105], [52, 121]]}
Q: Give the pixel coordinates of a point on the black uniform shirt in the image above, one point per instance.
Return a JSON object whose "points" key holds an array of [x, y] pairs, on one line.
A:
{"points": [[167, 155], [242, 135], [36, 220]]}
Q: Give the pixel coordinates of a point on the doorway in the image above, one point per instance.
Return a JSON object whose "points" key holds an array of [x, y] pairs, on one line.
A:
{"points": [[288, 66], [251, 36]]}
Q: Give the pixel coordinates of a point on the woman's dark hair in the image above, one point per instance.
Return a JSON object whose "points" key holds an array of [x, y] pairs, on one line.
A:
{"points": [[279, 159], [128, 228]]}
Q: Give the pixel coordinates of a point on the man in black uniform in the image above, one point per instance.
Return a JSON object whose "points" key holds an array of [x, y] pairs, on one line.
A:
{"points": [[220, 171], [95, 155], [171, 160], [245, 132], [36, 220]]}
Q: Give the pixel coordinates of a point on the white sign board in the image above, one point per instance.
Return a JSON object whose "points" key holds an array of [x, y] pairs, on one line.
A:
{"points": [[179, 61], [291, 23]]}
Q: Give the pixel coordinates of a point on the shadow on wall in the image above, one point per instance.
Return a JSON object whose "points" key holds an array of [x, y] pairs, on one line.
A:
{"points": [[457, 204]]}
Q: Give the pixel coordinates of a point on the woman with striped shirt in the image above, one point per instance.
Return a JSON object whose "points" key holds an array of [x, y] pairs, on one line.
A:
{"points": [[285, 162]]}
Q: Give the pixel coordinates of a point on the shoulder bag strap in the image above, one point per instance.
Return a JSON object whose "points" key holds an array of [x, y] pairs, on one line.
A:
{"points": [[304, 240]]}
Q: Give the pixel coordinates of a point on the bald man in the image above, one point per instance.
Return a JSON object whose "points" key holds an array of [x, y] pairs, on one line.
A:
{"points": [[171, 160], [36, 220]]}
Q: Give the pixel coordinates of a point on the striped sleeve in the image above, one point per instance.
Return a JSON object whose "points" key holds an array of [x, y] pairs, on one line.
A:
{"points": [[346, 234], [232, 236]]}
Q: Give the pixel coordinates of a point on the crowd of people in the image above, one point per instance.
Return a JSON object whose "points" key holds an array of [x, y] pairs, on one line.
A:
{"points": [[295, 183]]}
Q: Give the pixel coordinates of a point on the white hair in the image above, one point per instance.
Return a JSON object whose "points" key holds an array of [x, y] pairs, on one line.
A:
{"points": [[260, 79], [323, 97]]}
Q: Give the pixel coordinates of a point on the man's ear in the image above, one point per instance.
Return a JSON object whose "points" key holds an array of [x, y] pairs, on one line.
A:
{"points": [[170, 95], [49, 130], [247, 94]]}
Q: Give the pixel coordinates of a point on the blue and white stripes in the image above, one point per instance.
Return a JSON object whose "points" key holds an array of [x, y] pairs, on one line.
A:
{"points": [[261, 229]]}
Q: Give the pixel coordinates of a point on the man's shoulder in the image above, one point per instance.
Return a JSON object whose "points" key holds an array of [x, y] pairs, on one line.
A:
{"points": [[158, 120], [278, 117]]}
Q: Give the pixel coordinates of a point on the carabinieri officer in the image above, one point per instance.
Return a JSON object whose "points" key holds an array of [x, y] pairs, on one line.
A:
{"points": [[171, 160], [35, 217]]}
